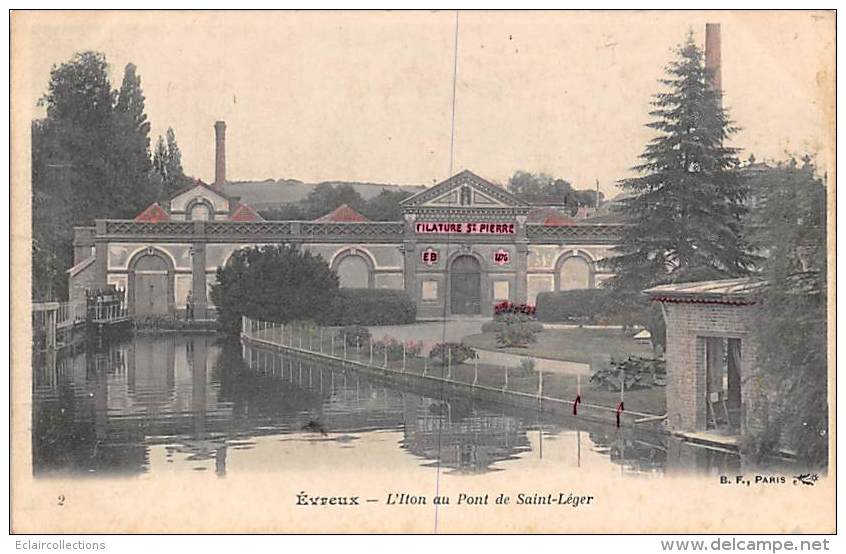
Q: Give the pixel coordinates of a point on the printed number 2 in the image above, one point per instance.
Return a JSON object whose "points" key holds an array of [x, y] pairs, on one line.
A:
{"points": [[61, 500]]}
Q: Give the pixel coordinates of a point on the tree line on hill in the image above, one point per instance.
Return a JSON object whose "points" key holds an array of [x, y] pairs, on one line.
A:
{"points": [[535, 188]]}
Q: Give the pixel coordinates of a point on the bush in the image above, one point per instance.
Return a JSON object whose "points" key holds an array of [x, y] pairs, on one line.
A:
{"points": [[395, 348], [497, 324], [272, 283], [505, 308], [371, 307], [638, 373], [455, 351], [516, 329], [527, 366], [356, 335], [571, 305]]}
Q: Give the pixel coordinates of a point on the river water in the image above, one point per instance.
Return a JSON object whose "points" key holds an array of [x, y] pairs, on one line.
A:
{"points": [[191, 403]]}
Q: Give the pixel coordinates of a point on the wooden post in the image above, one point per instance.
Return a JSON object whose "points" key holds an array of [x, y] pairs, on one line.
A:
{"points": [[371, 351], [403, 356], [345, 347], [449, 362], [321, 342], [386, 355], [332, 340], [540, 384], [506, 378], [425, 365], [475, 370], [622, 385]]}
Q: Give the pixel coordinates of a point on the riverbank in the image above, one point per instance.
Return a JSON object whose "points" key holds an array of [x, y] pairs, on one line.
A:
{"points": [[555, 393]]}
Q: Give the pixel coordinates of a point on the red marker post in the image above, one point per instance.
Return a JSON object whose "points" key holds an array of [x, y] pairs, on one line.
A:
{"points": [[619, 411]]}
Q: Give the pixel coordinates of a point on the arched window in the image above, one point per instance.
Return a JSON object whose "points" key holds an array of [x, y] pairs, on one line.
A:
{"points": [[353, 272], [199, 212], [575, 273]]}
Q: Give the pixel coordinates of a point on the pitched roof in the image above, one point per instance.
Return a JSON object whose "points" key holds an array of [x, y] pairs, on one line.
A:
{"points": [[550, 216], [153, 214], [459, 179], [244, 212], [198, 182], [342, 214], [723, 291]]}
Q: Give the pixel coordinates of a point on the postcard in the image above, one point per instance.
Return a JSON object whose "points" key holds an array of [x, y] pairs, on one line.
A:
{"points": [[423, 272]]}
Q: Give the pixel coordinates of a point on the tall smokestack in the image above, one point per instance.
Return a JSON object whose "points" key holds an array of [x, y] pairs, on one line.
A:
{"points": [[219, 154], [713, 58]]}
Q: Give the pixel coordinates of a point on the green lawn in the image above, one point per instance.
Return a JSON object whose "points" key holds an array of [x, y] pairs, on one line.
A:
{"points": [[589, 346]]}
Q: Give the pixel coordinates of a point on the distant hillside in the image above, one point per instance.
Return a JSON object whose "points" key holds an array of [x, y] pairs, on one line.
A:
{"points": [[267, 194]]}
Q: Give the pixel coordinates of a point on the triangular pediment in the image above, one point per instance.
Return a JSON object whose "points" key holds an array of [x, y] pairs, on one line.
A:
{"points": [[465, 189], [199, 192]]}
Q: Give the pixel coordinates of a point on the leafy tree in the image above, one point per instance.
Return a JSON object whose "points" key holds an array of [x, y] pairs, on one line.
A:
{"points": [[273, 283], [684, 215], [529, 186], [90, 159], [284, 212], [167, 162], [131, 146], [385, 206], [325, 197], [543, 189], [789, 226]]}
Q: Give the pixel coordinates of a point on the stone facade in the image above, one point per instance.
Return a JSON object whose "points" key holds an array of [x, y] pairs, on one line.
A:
{"points": [[463, 245]]}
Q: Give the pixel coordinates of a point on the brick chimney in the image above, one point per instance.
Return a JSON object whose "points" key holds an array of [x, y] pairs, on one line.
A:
{"points": [[219, 154], [713, 58]]}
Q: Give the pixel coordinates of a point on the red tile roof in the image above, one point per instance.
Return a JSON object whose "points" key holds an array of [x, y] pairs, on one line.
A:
{"points": [[244, 212], [342, 214], [153, 214], [550, 216]]}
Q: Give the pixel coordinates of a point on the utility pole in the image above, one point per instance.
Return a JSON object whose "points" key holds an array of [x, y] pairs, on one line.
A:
{"points": [[597, 198]]}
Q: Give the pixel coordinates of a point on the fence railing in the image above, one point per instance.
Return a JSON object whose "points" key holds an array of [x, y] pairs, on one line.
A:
{"points": [[107, 312], [519, 376], [328, 230]]}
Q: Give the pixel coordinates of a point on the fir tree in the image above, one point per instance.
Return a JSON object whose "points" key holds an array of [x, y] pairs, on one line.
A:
{"points": [[685, 208]]}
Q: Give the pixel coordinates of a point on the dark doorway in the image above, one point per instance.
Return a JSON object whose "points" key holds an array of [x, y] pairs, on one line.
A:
{"points": [[465, 286], [723, 363]]}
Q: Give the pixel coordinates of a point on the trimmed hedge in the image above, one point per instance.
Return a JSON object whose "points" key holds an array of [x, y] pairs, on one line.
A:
{"points": [[371, 307], [571, 305]]}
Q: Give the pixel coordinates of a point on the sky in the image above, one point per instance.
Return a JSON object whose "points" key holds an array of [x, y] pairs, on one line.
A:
{"points": [[367, 96]]}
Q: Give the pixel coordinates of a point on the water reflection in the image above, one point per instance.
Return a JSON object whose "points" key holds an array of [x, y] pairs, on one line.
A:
{"points": [[187, 401]]}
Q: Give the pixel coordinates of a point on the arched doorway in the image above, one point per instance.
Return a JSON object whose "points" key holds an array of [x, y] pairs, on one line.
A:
{"points": [[150, 283], [465, 286]]}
